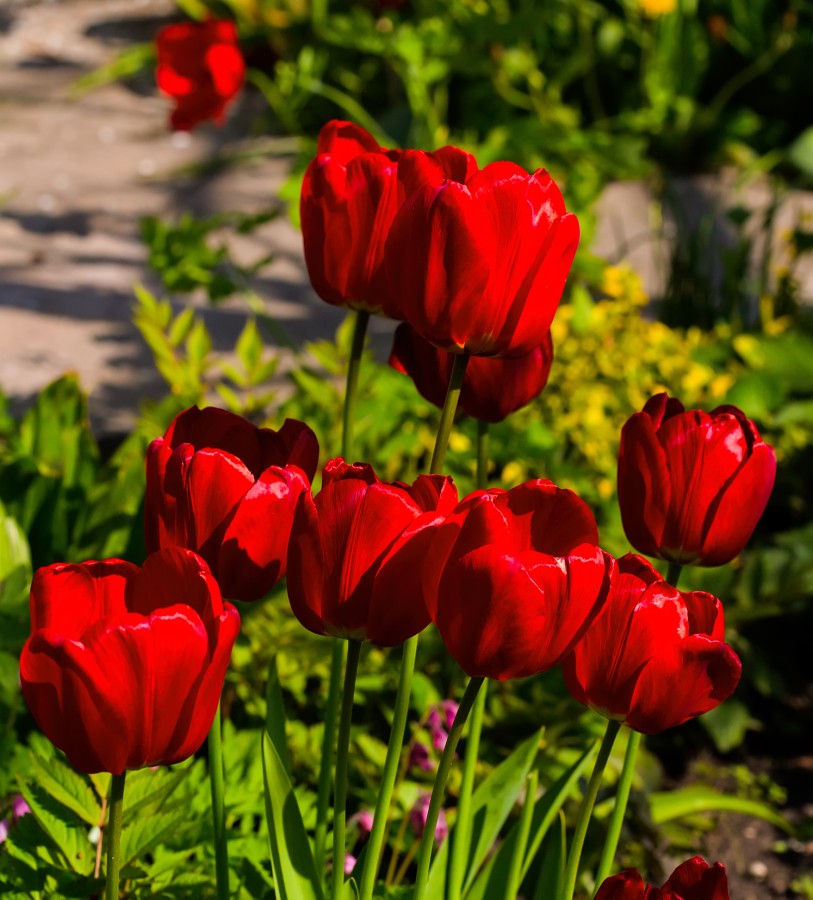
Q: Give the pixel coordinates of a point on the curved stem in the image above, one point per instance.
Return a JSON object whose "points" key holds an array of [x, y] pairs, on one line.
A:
{"points": [[461, 836], [342, 753], [328, 745], [482, 454], [218, 807], [113, 836], [388, 776], [439, 788], [586, 810], [673, 573], [622, 795], [353, 366], [447, 415]]}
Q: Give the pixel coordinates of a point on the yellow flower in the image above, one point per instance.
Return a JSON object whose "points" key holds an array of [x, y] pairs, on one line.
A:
{"points": [[655, 8]]}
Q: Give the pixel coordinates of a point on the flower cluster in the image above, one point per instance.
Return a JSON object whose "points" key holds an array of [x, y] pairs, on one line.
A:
{"points": [[125, 664]]}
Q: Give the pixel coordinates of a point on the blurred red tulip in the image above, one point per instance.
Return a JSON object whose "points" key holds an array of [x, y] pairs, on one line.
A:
{"points": [[228, 490], [692, 485], [124, 666], [513, 578], [694, 879], [200, 66], [347, 575], [492, 388], [477, 258], [654, 657]]}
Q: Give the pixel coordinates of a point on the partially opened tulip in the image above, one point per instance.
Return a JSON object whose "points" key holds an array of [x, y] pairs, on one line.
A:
{"points": [[492, 388], [201, 67], [694, 879], [125, 665], [692, 485], [654, 657], [513, 578], [349, 574], [477, 258], [226, 489]]}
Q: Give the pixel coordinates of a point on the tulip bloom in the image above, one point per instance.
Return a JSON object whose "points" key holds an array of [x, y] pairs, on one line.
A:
{"points": [[228, 490], [348, 574], [654, 657], [692, 485], [124, 666], [694, 879], [350, 195], [492, 388], [200, 66], [477, 258], [513, 578]]}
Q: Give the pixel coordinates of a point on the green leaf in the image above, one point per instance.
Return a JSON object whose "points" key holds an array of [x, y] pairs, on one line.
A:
{"points": [[68, 787], [69, 835], [727, 724], [669, 805], [147, 831], [495, 875], [552, 865], [491, 805], [295, 874], [801, 152]]}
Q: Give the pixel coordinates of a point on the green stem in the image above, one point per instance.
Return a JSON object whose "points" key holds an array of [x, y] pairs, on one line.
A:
{"points": [[482, 454], [353, 366], [515, 873], [447, 415], [218, 807], [439, 788], [673, 573], [113, 836], [622, 795], [461, 836], [342, 753], [328, 744], [586, 810], [388, 776]]}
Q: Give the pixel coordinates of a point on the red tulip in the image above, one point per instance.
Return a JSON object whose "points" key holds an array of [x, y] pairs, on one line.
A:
{"points": [[692, 485], [492, 388], [694, 879], [513, 578], [477, 259], [654, 657], [347, 574], [124, 666], [228, 490], [350, 195], [200, 66]]}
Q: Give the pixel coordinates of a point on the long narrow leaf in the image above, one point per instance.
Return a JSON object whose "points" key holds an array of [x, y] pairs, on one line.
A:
{"points": [[669, 805], [491, 881]]}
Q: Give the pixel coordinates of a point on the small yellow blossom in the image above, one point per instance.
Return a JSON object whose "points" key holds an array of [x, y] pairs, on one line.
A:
{"points": [[655, 8]]}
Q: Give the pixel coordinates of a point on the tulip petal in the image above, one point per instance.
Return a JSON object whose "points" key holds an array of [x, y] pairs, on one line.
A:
{"points": [[706, 671], [345, 140], [734, 515], [695, 879], [305, 583], [254, 550], [627, 885], [644, 491], [69, 598]]}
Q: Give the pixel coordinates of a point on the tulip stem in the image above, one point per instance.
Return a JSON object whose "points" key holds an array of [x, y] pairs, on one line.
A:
{"points": [[342, 754], [586, 810], [673, 573], [328, 746], [447, 415], [622, 795], [113, 836], [482, 454], [388, 776], [439, 787], [353, 365], [461, 835], [218, 807]]}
